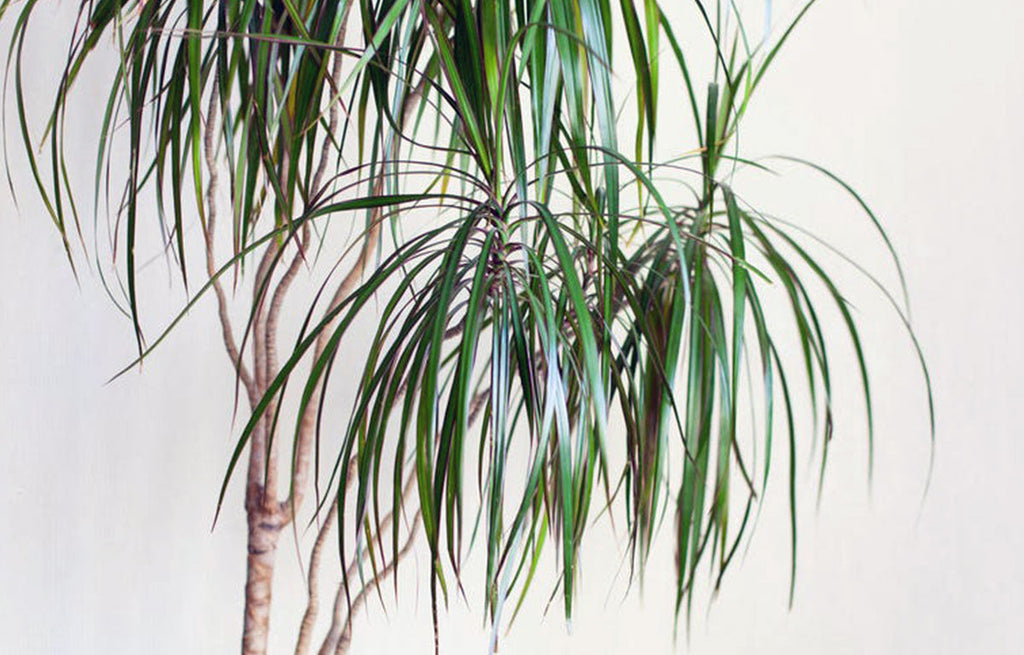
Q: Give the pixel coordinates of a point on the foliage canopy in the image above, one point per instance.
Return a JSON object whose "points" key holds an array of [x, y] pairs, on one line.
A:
{"points": [[558, 298]]}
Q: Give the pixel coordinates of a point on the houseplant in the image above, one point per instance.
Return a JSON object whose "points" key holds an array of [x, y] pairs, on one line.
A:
{"points": [[537, 287]]}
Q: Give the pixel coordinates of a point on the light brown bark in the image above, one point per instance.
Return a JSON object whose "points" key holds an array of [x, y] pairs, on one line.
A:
{"points": [[266, 513], [263, 518], [307, 428], [263, 536], [339, 636]]}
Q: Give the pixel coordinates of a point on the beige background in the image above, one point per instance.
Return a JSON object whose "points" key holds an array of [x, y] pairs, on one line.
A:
{"points": [[107, 491]]}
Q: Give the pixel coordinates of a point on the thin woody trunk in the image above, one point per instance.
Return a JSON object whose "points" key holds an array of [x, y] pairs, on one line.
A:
{"points": [[263, 536], [262, 513], [265, 521], [266, 514], [261, 508]]}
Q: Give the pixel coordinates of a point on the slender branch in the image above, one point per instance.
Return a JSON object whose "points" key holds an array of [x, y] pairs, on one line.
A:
{"points": [[280, 292], [307, 422], [339, 635], [261, 459], [209, 150], [313, 603], [284, 285], [332, 124], [345, 640]]}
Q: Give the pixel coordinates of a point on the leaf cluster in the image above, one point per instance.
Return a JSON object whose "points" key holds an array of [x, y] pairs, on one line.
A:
{"points": [[557, 299]]}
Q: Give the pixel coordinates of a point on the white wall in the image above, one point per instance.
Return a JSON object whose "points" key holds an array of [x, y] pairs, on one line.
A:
{"points": [[107, 491]]}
